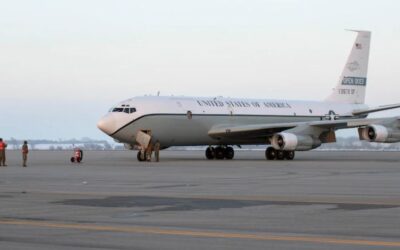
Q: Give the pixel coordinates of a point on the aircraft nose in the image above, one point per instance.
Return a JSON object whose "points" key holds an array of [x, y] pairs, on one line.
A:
{"points": [[107, 124]]}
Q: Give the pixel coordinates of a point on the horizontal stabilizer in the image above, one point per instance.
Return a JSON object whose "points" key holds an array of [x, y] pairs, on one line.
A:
{"points": [[376, 109]]}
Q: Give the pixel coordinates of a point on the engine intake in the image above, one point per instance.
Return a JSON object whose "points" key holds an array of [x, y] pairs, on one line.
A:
{"points": [[379, 133], [289, 141]]}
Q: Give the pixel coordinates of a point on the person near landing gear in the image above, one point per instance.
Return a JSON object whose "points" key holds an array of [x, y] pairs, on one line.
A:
{"points": [[149, 152], [157, 151]]}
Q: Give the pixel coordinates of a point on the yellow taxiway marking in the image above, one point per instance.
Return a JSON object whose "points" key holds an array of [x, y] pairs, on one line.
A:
{"points": [[205, 234]]}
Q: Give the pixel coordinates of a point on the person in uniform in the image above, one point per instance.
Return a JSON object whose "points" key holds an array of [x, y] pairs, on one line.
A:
{"points": [[142, 153], [157, 151], [78, 154], [149, 152], [25, 152], [3, 146]]}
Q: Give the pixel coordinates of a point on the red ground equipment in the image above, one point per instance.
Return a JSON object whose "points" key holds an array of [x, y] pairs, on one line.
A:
{"points": [[78, 155]]}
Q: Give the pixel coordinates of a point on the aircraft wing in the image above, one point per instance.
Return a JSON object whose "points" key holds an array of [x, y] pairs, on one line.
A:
{"points": [[251, 130], [265, 130]]}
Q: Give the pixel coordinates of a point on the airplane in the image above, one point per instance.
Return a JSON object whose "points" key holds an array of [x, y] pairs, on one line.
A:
{"points": [[285, 125]]}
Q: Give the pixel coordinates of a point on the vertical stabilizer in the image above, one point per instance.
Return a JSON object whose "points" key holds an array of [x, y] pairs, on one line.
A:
{"points": [[353, 81]]}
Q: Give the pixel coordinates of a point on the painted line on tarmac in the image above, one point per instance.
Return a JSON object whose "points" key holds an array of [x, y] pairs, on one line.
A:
{"points": [[203, 234]]}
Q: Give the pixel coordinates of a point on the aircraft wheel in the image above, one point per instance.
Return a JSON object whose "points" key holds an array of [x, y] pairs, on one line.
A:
{"points": [[280, 155], [219, 153], [140, 156], [210, 153], [270, 153], [78, 159], [289, 155], [72, 159], [229, 153]]}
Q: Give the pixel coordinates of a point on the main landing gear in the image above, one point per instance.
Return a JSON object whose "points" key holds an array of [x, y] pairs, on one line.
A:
{"points": [[220, 153], [273, 154]]}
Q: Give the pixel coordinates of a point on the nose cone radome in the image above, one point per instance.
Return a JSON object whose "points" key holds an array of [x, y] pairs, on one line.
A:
{"points": [[107, 124]]}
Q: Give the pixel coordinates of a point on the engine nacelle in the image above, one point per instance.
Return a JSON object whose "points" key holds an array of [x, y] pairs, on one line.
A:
{"points": [[379, 133], [289, 141]]}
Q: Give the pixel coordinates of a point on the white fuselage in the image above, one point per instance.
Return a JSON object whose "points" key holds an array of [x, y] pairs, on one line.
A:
{"points": [[185, 121]]}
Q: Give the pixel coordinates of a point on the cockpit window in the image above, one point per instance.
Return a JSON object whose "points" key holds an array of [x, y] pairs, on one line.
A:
{"points": [[124, 108], [117, 110]]}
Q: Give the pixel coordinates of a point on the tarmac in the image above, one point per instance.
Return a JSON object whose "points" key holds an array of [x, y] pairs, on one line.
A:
{"points": [[320, 200]]}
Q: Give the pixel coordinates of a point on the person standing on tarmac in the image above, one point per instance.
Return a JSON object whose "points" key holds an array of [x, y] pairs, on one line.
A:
{"points": [[157, 151], [25, 152], [149, 152], [3, 146]]}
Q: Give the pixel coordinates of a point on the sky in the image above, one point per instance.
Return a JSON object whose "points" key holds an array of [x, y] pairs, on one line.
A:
{"points": [[63, 64]]}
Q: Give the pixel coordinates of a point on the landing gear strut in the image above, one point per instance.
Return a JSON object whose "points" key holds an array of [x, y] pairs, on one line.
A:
{"points": [[273, 154], [220, 153], [141, 156]]}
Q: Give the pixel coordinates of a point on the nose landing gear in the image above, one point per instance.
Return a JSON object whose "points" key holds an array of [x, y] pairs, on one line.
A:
{"points": [[141, 155], [220, 153]]}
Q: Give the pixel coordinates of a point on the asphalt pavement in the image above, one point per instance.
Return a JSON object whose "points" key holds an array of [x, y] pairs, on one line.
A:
{"points": [[320, 200]]}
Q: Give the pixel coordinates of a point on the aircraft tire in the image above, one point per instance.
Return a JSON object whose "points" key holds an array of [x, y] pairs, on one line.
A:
{"points": [[72, 159], [210, 153], [140, 156], [219, 153], [229, 153], [289, 155], [280, 155], [270, 153]]}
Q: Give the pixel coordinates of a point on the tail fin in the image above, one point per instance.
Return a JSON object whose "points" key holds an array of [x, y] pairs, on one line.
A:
{"points": [[353, 81]]}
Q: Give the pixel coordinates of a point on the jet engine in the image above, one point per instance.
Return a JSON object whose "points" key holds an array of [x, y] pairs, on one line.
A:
{"points": [[379, 133], [289, 141]]}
